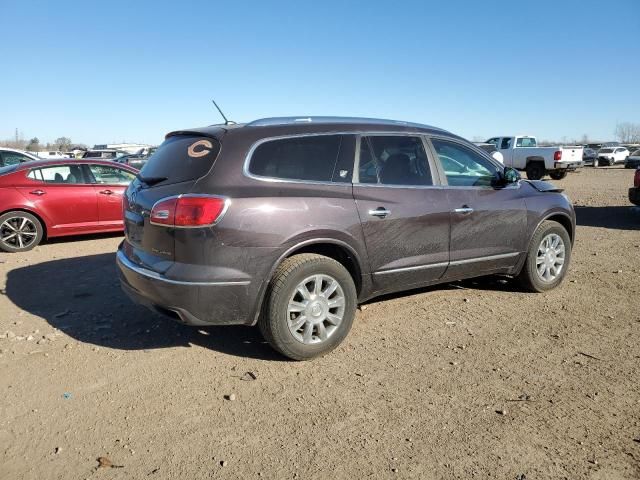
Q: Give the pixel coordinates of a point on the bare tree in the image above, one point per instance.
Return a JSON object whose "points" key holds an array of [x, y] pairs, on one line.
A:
{"points": [[34, 144], [63, 143], [628, 132]]}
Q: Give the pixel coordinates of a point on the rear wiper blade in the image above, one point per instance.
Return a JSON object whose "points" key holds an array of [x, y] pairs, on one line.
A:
{"points": [[150, 180]]}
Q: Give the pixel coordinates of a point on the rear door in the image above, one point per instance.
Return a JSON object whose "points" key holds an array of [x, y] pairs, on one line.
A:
{"points": [[110, 182], [488, 224], [403, 211], [65, 196]]}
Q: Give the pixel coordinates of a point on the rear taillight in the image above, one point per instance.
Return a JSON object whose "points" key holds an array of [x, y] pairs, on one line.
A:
{"points": [[188, 211], [636, 179], [557, 156]]}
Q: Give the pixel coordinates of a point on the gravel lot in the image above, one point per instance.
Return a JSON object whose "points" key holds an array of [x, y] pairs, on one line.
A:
{"points": [[474, 379]]}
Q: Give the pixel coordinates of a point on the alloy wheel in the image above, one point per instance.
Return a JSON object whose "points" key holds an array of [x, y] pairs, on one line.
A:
{"points": [[550, 257], [18, 232], [316, 309]]}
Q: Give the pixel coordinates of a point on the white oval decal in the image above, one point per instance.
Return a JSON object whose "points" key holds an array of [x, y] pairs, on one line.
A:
{"points": [[201, 152]]}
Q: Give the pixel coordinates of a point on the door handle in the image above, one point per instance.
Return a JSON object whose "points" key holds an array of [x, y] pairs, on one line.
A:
{"points": [[106, 192], [37, 192], [379, 212], [465, 210]]}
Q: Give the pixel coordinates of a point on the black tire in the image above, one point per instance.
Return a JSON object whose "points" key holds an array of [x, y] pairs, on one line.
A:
{"points": [[529, 277], [558, 174], [535, 170], [28, 236], [274, 321]]}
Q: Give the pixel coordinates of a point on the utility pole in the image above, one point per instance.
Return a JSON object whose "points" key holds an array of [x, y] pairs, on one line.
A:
{"points": [[16, 135]]}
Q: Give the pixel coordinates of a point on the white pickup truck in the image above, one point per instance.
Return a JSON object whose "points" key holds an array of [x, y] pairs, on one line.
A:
{"points": [[522, 153]]}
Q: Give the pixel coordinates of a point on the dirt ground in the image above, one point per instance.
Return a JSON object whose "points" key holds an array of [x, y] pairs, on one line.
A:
{"points": [[473, 379]]}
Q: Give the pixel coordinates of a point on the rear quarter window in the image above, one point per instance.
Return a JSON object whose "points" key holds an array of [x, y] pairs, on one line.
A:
{"points": [[310, 158], [181, 158]]}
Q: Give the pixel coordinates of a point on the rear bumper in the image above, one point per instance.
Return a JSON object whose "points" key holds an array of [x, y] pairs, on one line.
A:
{"points": [[568, 165], [634, 195], [193, 303]]}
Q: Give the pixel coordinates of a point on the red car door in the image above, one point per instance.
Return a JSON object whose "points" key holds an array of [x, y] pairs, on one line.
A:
{"points": [[110, 184], [63, 196]]}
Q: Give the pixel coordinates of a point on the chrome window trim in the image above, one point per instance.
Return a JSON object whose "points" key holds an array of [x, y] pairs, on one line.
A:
{"points": [[450, 264], [354, 177], [227, 203], [383, 185], [125, 262]]}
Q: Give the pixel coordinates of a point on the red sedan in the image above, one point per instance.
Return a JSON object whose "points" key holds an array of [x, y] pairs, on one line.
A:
{"points": [[53, 198]]}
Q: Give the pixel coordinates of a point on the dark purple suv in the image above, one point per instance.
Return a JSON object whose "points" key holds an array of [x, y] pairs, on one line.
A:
{"points": [[289, 223]]}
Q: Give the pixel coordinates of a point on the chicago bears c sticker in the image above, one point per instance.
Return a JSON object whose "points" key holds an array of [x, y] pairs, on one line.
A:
{"points": [[199, 148]]}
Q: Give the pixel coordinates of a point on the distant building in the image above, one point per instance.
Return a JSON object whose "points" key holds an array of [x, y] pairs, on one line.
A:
{"points": [[127, 147]]}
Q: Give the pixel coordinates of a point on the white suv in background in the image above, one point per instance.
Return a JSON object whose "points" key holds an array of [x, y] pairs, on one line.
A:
{"points": [[611, 156]]}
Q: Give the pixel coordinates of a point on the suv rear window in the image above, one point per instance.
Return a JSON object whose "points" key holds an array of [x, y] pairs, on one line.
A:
{"points": [[311, 158], [181, 158]]}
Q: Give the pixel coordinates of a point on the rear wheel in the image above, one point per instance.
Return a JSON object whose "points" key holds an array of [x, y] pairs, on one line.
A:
{"points": [[596, 162], [535, 170], [19, 231], [558, 174], [547, 259], [310, 307]]}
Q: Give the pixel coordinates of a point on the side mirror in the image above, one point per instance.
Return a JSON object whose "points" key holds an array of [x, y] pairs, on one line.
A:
{"points": [[511, 175], [506, 177]]}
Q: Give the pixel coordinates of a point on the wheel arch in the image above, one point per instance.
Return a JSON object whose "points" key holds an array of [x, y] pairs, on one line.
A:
{"points": [[563, 219], [333, 248], [534, 159], [35, 214]]}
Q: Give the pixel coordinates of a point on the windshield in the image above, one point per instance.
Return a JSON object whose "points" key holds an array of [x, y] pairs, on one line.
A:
{"points": [[606, 150], [636, 153]]}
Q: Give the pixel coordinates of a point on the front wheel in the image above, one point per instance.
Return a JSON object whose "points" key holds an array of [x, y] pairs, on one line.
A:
{"points": [[547, 259], [558, 174], [596, 163], [19, 231], [310, 307]]}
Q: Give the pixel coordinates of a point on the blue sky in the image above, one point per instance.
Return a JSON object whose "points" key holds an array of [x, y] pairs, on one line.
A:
{"points": [[111, 71]]}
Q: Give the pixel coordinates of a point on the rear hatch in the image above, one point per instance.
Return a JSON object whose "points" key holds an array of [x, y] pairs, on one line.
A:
{"points": [[171, 171]]}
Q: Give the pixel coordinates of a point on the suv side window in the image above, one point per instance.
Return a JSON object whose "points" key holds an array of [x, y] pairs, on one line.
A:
{"points": [[462, 166], [311, 158], [394, 160]]}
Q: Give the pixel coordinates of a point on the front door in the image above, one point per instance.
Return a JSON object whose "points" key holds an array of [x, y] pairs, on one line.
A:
{"points": [[403, 212], [488, 224]]}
